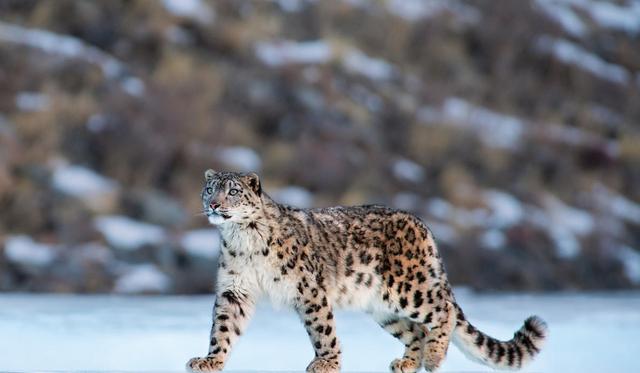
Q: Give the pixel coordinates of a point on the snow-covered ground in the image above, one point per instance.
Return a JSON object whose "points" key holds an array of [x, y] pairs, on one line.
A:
{"points": [[588, 333]]}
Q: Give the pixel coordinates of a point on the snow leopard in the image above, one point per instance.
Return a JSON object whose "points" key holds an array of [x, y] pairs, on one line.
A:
{"points": [[372, 258]]}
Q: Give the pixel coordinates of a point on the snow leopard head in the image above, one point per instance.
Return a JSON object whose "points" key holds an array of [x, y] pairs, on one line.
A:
{"points": [[230, 196]]}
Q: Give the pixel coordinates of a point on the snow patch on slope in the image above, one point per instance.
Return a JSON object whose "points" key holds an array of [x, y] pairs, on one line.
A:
{"points": [[573, 54], [282, 53], [415, 10], [617, 205], [564, 224], [564, 15], [128, 234], [294, 196], [202, 242], [241, 158], [23, 250], [495, 129], [578, 221], [197, 10], [621, 16], [614, 16], [443, 210], [373, 68], [506, 209], [69, 47], [32, 101], [630, 259], [81, 182], [285, 52], [408, 170], [144, 278], [493, 239]]}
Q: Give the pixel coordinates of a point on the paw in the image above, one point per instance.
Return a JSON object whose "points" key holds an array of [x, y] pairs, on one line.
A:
{"points": [[319, 365], [204, 364], [404, 365]]}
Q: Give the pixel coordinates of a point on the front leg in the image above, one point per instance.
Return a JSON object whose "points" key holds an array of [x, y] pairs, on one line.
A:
{"points": [[231, 313], [317, 315]]}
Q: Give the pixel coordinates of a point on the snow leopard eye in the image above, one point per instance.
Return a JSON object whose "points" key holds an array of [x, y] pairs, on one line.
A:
{"points": [[233, 192], [209, 190]]}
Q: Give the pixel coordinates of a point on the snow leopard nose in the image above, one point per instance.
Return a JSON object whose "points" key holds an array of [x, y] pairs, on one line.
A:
{"points": [[214, 205]]}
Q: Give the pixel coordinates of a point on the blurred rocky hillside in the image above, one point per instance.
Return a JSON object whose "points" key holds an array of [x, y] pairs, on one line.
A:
{"points": [[510, 127]]}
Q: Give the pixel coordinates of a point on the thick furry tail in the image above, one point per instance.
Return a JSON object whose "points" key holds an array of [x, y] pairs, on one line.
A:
{"points": [[513, 354]]}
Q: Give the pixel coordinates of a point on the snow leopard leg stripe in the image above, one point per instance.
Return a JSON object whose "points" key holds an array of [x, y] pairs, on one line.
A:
{"points": [[409, 333], [320, 325], [441, 325], [232, 311], [231, 314]]}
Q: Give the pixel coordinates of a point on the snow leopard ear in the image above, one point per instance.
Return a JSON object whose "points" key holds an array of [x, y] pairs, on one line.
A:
{"points": [[209, 174], [254, 182]]}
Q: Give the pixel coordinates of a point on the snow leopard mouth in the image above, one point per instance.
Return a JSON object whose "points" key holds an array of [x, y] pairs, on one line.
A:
{"points": [[219, 214]]}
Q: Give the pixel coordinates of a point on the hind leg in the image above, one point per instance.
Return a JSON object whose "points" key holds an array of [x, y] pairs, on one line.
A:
{"points": [[409, 333], [441, 325]]}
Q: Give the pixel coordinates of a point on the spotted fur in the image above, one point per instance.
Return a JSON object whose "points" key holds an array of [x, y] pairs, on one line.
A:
{"points": [[371, 258]]}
